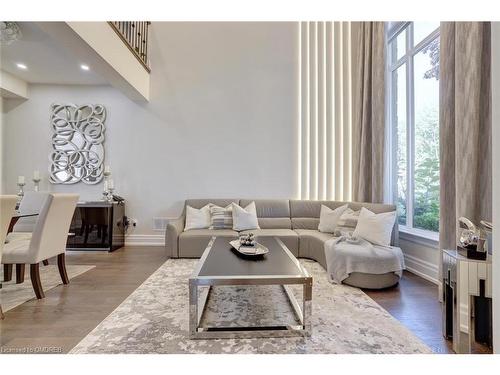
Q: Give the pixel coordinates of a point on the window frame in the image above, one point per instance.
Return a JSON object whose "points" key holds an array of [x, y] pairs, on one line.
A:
{"points": [[392, 32]]}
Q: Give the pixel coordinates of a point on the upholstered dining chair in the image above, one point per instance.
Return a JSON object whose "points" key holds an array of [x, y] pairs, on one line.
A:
{"points": [[48, 240], [32, 202], [7, 208]]}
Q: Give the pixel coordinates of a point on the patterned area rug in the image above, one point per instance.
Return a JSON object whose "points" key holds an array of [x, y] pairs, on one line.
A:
{"points": [[154, 319], [13, 295]]}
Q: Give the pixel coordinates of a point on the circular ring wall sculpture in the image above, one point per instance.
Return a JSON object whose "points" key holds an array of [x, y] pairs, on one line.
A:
{"points": [[77, 143]]}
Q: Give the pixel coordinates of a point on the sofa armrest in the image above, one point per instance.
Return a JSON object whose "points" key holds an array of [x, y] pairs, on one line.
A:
{"points": [[174, 229]]}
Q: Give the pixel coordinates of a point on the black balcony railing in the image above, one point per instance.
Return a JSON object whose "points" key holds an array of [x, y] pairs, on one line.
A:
{"points": [[135, 35]]}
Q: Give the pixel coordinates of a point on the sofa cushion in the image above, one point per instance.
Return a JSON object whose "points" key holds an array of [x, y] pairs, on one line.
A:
{"points": [[272, 213], [288, 236], [310, 223], [311, 244], [193, 243]]}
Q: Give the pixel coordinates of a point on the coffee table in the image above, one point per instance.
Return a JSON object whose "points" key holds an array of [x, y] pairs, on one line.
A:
{"points": [[219, 266]]}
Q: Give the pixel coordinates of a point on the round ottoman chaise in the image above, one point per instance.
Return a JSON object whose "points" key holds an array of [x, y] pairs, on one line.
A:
{"points": [[314, 249], [372, 281]]}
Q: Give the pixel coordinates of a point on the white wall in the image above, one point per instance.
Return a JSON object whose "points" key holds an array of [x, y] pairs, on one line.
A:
{"points": [[495, 42], [222, 121]]}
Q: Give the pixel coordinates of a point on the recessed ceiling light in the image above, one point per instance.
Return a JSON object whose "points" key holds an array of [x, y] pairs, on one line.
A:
{"points": [[84, 67], [21, 66]]}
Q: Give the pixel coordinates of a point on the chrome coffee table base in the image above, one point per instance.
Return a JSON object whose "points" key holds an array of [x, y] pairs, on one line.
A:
{"points": [[200, 286], [198, 301]]}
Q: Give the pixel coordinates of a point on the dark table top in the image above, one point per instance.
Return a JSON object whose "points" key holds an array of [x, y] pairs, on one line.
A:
{"points": [[223, 260]]}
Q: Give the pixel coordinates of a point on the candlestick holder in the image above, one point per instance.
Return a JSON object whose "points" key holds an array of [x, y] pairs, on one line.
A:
{"points": [[20, 193], [106, 175], [36, 182], [105, 192], [110, 195]]}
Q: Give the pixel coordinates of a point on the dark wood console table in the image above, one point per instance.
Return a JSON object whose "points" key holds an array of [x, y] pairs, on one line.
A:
{"points": [[98, 226]]}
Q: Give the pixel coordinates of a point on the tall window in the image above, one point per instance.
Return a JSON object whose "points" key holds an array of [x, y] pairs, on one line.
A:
{"points": [[413, 113]]}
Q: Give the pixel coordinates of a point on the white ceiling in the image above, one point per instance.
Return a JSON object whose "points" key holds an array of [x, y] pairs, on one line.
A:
{"points": [[47, 61]]}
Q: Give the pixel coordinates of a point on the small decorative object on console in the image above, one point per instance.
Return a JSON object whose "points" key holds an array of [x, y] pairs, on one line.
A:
{"points": [[487, 227], [471, 241]]}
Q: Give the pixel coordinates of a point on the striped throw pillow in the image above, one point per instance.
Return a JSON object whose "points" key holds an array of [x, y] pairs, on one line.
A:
{"points": [[221, 217], [347, 222]]}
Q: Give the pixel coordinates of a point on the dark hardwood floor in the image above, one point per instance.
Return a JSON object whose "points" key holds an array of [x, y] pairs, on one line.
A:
{"points": [[70, 312], [414, 302]]}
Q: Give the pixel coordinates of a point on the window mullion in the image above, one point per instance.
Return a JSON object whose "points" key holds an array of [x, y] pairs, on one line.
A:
{"points": [[410, 130], [392, 88]]}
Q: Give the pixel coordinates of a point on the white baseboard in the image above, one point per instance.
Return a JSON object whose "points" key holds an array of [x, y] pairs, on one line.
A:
{"points": [[145, 240], [422, 268]]}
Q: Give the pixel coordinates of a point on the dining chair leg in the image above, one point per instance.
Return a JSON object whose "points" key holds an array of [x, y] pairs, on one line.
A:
{"points": [[20, 273], [45, 262], [2, 316], [35, 280], [7, 272], [61, 264]]}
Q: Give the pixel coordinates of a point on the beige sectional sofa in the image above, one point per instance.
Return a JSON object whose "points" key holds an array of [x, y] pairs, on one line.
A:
{"points": [[295, 222]]}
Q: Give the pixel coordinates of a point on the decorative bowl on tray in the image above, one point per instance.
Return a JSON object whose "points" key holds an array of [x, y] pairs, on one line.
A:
{"points": [[247, 246]]}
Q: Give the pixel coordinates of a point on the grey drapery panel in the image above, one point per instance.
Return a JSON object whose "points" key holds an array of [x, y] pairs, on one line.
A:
{"points": [[465, 126], [368, 133]]}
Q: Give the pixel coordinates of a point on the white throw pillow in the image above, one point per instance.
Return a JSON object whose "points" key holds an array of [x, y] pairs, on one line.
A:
{"points": [[329, 218], [245, 218], [197, 218], [375, 228]]}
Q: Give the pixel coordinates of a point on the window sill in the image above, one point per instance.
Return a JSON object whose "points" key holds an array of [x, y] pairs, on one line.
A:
{"points": [[418, 236]]}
